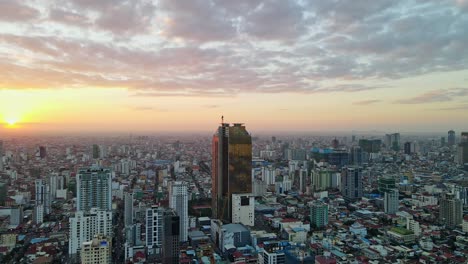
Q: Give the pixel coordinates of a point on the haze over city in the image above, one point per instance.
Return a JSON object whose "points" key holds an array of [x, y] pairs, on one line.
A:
{"points": [[158, 66]]}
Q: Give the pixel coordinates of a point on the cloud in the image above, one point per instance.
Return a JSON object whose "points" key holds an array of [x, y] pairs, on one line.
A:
{"points": [[435, 96], [367, 102], [454, 108], [223, 48], [68, 17], [14, 11]]}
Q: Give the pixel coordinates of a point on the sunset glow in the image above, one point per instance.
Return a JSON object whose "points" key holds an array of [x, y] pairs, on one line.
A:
{"points": [[285, 65]]}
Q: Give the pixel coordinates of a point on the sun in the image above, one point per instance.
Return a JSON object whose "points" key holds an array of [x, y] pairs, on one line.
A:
{"points": [[11, 121]]}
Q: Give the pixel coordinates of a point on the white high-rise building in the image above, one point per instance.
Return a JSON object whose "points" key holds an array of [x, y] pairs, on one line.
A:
{"points": [[154, 229], [38, 214], [43, 195], [94, 189], [178, 200], [128, 210], [269, 175], [53, 180], [391, 202], [85, 225], [243, 209]]}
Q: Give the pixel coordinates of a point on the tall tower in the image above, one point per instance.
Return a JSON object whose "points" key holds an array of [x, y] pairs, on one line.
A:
{"points": [[128, 209], [94, 189], [171, 239], [178, 200], [231, 167], [319, 214], [351, 183], [391, 201], [462, 152], [451, 138], [451, 210], [154, 229], [43, 195]]}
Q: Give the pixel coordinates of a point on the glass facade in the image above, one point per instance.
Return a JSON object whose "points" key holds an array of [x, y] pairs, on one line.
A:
{"points": [[231, 167]]}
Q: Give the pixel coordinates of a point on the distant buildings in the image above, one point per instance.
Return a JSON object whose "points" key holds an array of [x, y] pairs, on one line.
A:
{"points": [[243, 209], [451, 210], [392, 141], [231, 168], [94, 189], [370, 145], [178, 200], [351, 183]]}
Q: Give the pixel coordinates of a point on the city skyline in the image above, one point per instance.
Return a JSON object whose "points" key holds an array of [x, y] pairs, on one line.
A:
{"points": [[275, 65]]}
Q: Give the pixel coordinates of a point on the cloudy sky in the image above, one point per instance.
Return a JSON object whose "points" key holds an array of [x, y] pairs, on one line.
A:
{"points": [[115, 65]]}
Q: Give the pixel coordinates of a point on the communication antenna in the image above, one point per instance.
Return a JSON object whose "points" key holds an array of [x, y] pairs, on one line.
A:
{"points": [[222, 119]]}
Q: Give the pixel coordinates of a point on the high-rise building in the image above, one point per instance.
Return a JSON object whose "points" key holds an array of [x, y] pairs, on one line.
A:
{"points": [[386, 183], [171, 241], [231, 167], [321, 179], [355, 156], [3, 193], [128, 209], [392, 141], [370, 145], [451, 138], [154, 229], [95, 151], [94, 189], [464, 137], [318, 214], [84, 226], [351, 183], [42, 152], [462, 153], [96, 251], [243, 209], [391, 201], [55, 182], [38, 212], [451, 210], [178, 200], [43, 195], [407, 148], [269, 175]]}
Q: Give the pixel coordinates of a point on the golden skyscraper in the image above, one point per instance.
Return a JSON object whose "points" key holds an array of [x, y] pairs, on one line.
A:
{"points": [[231, 167]]}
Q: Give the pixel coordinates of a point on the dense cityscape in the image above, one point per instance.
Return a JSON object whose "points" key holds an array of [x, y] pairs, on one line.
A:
{"points": [[233, 131], [234, 197]]}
